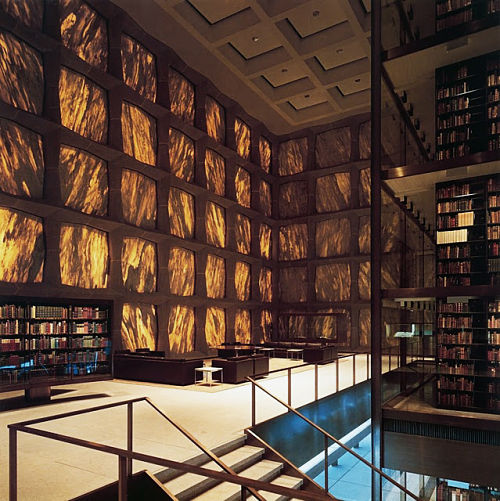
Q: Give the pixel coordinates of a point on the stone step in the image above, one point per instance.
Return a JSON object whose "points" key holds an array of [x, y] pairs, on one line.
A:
{"points": [[284, 481]]}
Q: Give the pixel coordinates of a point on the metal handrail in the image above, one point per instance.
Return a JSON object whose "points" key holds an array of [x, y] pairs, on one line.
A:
{"points": [[327, 436]]}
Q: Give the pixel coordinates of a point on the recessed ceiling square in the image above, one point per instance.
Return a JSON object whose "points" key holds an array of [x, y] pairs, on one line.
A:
{"points": [[367, 4], [343, 54], [216, 10], [354, 84], [256, 40], [283, 74], [316, 16], [308, 99]]}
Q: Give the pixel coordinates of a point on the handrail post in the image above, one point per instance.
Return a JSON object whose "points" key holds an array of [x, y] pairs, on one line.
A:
{"points": [[130, 435], [253, 403], [390, 358], [289, 370], [326, 463], [243, 493], [337, 375], [12, 464], [315, 382], [122, 478], [353, 369], [367, 366]]}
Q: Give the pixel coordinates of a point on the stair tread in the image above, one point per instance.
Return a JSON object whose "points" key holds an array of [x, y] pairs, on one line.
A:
{"points": [[284, 481]]}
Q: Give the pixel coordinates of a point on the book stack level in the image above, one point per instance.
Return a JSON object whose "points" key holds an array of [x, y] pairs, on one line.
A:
{"points": [[493, 229], [450, 13], [447, 492]]}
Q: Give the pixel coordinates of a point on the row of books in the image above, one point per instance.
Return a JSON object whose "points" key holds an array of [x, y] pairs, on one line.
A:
{"points": [[90, 342], [457, 281], [46, 343], [454, 121], [493, 144], [453, 90], [456, 221], [492, 111], [453, 307], [457, 368], [493, 322], [54, 327], [493, 7], [454, 252], [461, 383], [456, 352], [494, 306], [493, 201], [494, 128], [493, 232], [457, 104], [493, 265], [444, 322], [12, 327], [453, 190], [64, 343], [453, 136], [456, 267], [494, 355], [454, 206], [455, 400], [10, 344], [494, 337], [494, 96], [88, 328], [12, 311], [84, 312], [48, 312], [449, 6], [493, 184], [459, 338], [451, 237], [460, 17], [454, 152]]}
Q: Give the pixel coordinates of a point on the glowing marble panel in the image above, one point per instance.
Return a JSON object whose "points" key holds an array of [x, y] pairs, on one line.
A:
{"points": [[333, 237], [84, 181], [242, 187], [365, 130], [83, 105], [28, 12], [333, 282], [181, 329], [293, 242], [293, 199], [364, 280], [138, 199], [181, 213], [242, 326], [265, 197], [365, 326], [84, 32], [242, 234], [181, 154], [266, 325], [138, 326], [391, 272], [324, 326], [265, 242], [242, 137], [21, 160], [364, 188], [391, 226], [333, 192], [297, 326], [138, 134], [181, 96], [83, 256], [333, 147], [215, 277], [215, 119], [242, 281], [266, 285], [181, 271], [364, 234], [215, 171], [139, 68], [139, 265], [21, 74], [292, 156], [265, 154], [215, 326], [215, 225], [21, 246], [293, 284]]}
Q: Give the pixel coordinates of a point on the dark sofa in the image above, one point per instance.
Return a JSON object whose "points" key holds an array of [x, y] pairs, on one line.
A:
{"points": [[313, 351], [236, 369]]}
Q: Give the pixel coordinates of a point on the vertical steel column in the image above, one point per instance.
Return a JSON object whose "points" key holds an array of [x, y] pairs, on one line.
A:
{"points": [[130, 434], [326, 463], [315, 381], [289, 386], [12, 464], [337, 375], [253, 404], [354, 369], [122, 478]]}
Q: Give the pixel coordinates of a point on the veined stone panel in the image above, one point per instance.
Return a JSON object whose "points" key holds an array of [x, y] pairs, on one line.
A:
{"points": [[324, 326], [181, 213], [84, 32], [181, 329], [181, 154], [139, 265], [215, 225], [181, 271], [21, 160], [139, 326], [333, 282], [293, 199], [242, 187], [138, 199], [293, 326], [21, 246], [333, 192], [333, 237], [364, 234], [293, 285], [242, 234], [84, 181], [293, 242], [215, 117], [215, 171], [28, 12], [84, 107], [83, 256], [242, 136], [333, 147], [242, 280], [181, 96], [266, 285], [139, 134], [265, 154], [265, 197], [21, 74], [391, 224], [265, 243], [266, 324], [364, 327], [391, 271], [215, 277], [242, 326], [215, 326], [364, 188], [365, 150], [364, 280], [139, 68], [292, 156]]}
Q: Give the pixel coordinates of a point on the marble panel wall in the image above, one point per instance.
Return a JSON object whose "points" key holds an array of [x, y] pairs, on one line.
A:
{"points": [[181, 213], [293, 199], [265, 154], [181, 271], [364, 280], [242, 234], [242, 137], [181, 92], [139, 265], [265, 197], [365, 130], [333, 237], [242, 326], [266, 325], [242, 276], [295, 326], [215, 117], [215, 326], [181, 155], [324, 326], [265, 243], [292, 156], [364, 234], [333, 192], [265, 285], [139, 134], [181, 329], [139, 326], [293, 284], [215, 171], [28, 12], [364, 188], [138, 199], [242, 187], [364, 327], [333, 147], [215, 277], [215, 225], [293, 242], [333, 282], [391, 272]]}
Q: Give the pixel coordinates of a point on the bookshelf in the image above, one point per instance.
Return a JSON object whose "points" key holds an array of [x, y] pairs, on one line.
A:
{"points": [[448, 490], [450, 13]]}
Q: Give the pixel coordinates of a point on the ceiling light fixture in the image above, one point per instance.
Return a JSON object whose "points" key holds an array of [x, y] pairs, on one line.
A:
{"points": [[357, 80], [307, 96], [315, 13], [284, 70], [255, 39], [340, 51]]}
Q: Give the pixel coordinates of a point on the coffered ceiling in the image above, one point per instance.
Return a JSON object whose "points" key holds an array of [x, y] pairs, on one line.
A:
{"points": [[289, 63]]}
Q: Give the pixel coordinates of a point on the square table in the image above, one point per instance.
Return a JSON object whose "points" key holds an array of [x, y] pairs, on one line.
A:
{"points": [[266, 351], [294, 353], [207, 375]]}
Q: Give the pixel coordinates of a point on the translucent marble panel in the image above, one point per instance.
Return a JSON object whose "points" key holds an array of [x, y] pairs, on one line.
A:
{"points": [[242, 137], [242, 326], [215, 277], [84, 181], [242, 280], [181, 329], [293, 242], [83, 256], [21, 160], [242, 187], [333, 282], [296, 326], [266, 325], [181, 213], [293, 285], [21, 74], [265, 154], [181, 271], [22, 247], [215, 225], [138, 134], [84, 107], [265, 242], [365, 326], [181, 96], [293, 199], [138, 199], [364, 188], [215, 326], [139, 265], [139, 68], [364, 234], [292, 156], [364, 280], [333, 192], [28, 12], [333, 147], [391, 225], [138, 326], [266, 285], [242, 234], [333, 237], [84, 32], [215, 171], [391, 272], [365, 130], [216, 120], [324, 326], [181, 155], [265, 197]]}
